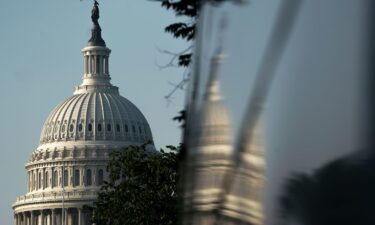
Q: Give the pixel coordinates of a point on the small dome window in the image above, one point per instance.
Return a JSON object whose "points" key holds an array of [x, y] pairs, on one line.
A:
{"points": [[55, 129], [65, 178], [118, 127], [55, 178], [140, 130], [71, 128], [109, 127], [133, 127], [88, 177], [77, 178], [100, 177], [99, 127], [126, 128], [80, 127], [63, 128], [89, 127]]}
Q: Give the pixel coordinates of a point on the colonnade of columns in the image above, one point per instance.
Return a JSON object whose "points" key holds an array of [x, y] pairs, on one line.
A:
{"points": [[72, 216], [52, 177], [96, 64]]}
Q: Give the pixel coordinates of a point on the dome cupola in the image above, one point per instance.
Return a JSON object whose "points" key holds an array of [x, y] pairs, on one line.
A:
{"points": [[96, 113]]}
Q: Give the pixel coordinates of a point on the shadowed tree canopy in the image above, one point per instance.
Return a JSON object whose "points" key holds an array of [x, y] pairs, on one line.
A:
{"points": [[141, 188], [340, 193]]}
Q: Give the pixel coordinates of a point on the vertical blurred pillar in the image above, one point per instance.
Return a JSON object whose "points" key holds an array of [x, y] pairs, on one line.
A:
{"points": [[370, 75]]}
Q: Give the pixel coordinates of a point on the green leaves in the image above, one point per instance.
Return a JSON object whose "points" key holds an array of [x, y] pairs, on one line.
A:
{"points": [[141, 189], [181, 30]]}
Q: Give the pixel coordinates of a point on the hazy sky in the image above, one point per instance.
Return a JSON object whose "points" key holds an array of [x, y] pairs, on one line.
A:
{"points": [[41, 63], [313, 108]]}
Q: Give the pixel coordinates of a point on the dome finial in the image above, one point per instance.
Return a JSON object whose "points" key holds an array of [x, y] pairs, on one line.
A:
{"points": [[95, 13], [96, 32]]}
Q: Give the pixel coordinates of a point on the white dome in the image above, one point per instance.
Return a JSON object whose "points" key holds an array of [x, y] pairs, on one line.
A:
{"points": [[96, 116]]}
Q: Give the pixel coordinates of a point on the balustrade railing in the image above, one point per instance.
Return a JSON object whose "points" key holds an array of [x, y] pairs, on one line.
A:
{"points": [[53, 195]]}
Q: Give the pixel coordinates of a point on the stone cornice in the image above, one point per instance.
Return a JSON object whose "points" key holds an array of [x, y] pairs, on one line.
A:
{"points": [[50, 197]]}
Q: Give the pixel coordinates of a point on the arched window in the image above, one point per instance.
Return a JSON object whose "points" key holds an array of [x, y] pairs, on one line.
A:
{"points": [[100, 177], [97, 64], [109, 128], [133, 127], [126, 128], [66, 178], [80, 127], [99, 127], [76, 177], [34, 182], [92, 64], [89, 127], [46, 179], [28, 181], [71, 128], [118, 127], [55, 178], [39, 180], [88, 177]]}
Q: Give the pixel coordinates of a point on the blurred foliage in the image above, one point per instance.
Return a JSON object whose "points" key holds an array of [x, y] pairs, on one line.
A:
{"points": [[181, 118], [341, 192], [141, 189]]}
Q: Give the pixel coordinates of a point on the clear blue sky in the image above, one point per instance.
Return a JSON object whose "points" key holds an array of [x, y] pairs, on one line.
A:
{"points": [[313, 110]]}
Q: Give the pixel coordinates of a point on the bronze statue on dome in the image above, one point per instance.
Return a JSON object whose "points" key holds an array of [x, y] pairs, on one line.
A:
{"points": [[95, 13], [96, 36]]}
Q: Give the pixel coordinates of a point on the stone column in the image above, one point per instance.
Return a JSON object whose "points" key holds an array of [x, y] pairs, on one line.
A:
{"points": [[24, 221], [42, 218], [53, 217], [15, 219], [32, 220], [65, 217], [80, 217]]}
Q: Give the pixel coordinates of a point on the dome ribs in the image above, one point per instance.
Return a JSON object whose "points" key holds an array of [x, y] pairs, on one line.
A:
{"points": [[72, 134], [118, 118], [123, 113], [110, 120], [103, 115], [82, 110], [88, 118], [95, 121]]}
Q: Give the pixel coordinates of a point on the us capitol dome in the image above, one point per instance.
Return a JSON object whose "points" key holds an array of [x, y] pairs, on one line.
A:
{"points": [[68, 167]]}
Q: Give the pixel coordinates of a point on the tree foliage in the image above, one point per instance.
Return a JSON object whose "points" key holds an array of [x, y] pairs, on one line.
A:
{"points": [[141, 189], [186, 30]]}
